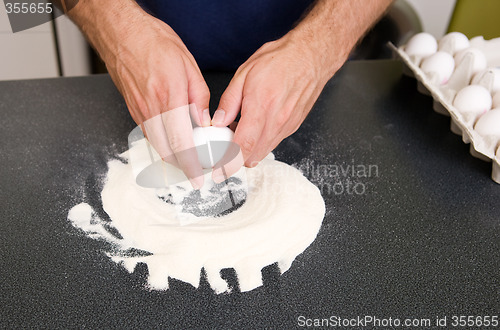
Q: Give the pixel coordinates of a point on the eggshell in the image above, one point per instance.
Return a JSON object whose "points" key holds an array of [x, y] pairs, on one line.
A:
{"points": [[496, 100], [421, 44], [496, 78], [211, 144], [456, 40], [440, 63], [479, 60], [489, 123], [473, 99]]}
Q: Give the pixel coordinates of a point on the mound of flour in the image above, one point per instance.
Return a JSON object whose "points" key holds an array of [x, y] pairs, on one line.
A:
{"points": [[279, 219]]}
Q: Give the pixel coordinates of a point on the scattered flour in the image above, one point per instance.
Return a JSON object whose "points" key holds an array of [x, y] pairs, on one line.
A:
{"points": [[83, 217], [279, 219]]}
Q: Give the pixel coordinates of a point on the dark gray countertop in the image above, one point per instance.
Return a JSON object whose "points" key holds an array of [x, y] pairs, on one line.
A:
{"points": [[418, 238]]}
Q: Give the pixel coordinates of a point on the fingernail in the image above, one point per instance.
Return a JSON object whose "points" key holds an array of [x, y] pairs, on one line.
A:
{"points": [[218, 176], [219, 116], [205, 119], [252, 163], [197, 182]]}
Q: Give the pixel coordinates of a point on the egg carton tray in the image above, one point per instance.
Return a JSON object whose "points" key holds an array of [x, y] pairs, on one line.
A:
{"points": [[482, 146]]}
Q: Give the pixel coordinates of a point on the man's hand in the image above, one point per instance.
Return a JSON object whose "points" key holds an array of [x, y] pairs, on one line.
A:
{"points": [[277, 86], [275, 90], [155, 73]]}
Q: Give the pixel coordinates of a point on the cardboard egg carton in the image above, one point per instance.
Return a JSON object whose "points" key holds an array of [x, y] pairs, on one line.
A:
{"points": [[484, 147]]}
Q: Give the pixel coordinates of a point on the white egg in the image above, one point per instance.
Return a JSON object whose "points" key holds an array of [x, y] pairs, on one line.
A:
{"points": [[496, 100], [440, 63], [479, 60], [473, 99], [421, 44], [456, 40], [489, 123], [496, 78], [211, 144]]}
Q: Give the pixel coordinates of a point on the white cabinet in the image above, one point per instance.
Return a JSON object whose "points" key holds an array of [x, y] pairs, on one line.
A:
{"points": [[26, 54], [34, 53]]}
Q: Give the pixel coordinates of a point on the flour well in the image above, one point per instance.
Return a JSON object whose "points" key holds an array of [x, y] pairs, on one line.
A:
{"points": [[278, 217]]}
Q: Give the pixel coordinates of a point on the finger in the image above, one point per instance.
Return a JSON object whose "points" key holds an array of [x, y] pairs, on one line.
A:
{"points": [[277, 128], [230, 101], [229, 164], [284, 123], [250, 127], [199, 95], [179, 132], [154, 131], [152, 101], [205, 118], [266, 145], [194, 114], [142, 113]]}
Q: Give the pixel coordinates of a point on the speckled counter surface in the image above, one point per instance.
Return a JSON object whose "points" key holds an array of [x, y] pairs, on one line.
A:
{"points": [[417, 235]]}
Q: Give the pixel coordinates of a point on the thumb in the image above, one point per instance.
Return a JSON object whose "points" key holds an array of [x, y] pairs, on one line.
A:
{"points": [[230, 102], [199, 95]]}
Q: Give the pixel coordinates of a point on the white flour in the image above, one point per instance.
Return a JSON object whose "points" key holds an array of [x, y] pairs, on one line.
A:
{"points": [[280, 218]]}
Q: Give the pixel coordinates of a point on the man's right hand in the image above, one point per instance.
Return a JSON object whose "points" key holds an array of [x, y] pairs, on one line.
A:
{"points": [[155, 73]]}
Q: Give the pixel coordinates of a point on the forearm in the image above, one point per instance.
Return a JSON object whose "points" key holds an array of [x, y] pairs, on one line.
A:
{"points": [[333, 27], [105, 22]]}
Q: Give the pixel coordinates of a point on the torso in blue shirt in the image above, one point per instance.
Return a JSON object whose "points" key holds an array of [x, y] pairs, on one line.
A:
{"points": [[222, 34]]}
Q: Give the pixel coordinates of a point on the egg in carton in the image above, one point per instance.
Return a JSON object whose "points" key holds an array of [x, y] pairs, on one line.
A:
{"points": [[463, 78]]}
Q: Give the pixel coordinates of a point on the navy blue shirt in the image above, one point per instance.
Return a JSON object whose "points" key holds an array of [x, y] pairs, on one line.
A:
{"points": [[222, 34]]}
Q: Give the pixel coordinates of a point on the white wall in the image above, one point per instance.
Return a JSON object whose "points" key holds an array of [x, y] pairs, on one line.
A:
{"points": [[435, 15], [26, 54], [73, 48], [32, 53]]}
